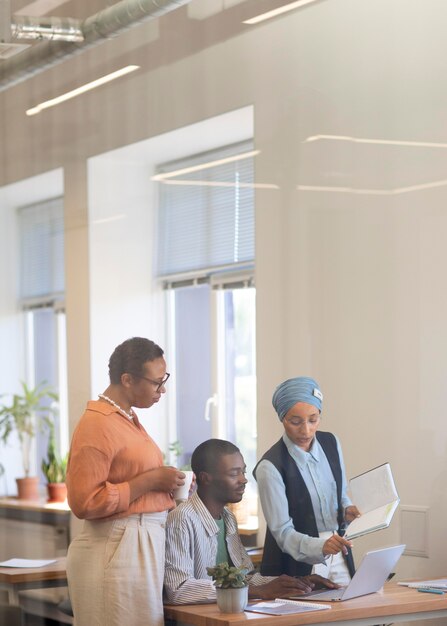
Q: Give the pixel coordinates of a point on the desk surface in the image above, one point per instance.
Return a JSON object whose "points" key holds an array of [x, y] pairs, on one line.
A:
{"points": [[18, 575], [15, 579], [395, 604]]}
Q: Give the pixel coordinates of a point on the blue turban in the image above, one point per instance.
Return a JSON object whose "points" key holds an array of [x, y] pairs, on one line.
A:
{"points": [[293, 390]]}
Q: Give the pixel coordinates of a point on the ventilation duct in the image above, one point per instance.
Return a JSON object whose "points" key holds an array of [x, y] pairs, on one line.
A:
{"points": [[53, 28], [94, 30]]}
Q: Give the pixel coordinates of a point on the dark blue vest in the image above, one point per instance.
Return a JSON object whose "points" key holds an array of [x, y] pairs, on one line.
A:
{"points": [[274, 561]]}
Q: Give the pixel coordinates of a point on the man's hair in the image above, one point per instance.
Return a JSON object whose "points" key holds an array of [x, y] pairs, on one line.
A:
{"points": [[130, 356], [206, 455]]}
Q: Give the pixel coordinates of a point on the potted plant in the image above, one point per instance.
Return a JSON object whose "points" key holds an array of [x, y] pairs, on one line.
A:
{"points": [[231, 587], [176, 450], [27, 411], [55, 470]]}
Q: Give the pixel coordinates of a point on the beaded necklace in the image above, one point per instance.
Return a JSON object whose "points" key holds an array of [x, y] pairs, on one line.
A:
{"points": [[129, 416]]}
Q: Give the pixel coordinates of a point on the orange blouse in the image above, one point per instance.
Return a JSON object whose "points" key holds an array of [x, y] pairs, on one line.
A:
{"points": [[107, 450]]}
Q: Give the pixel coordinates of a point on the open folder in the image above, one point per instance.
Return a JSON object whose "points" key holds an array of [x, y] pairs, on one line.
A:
{"points": [[375, 495]]}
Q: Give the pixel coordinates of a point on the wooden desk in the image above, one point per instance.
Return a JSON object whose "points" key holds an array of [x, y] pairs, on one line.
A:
{"points": [[15, 579], [395, 604]]}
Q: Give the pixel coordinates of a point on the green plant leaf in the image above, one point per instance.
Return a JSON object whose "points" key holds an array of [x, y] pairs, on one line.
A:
{"points": [[25, 413], [228, 577], [54, 468]]}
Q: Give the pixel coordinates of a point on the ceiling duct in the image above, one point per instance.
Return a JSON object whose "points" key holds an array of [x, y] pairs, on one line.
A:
{"points": [[52, 28], [94, 29]]}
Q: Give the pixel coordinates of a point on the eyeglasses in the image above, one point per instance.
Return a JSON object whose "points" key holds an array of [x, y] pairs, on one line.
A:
{"points": [[156, 382]]}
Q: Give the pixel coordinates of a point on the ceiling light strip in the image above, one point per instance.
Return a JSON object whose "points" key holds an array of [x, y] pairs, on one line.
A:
{"points": [[384, 142], [375, 192], [279, 11], [204, 166], [80, 90], [206, 183]]}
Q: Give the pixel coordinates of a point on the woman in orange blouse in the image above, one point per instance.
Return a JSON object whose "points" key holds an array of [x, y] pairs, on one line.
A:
{"points": [[117, 483]]}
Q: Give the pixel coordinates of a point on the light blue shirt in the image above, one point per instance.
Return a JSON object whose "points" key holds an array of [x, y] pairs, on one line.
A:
{"points": [[319, 480]]}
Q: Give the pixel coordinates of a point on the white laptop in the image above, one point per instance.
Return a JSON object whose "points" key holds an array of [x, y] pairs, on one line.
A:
{"points": [[370, 576]]}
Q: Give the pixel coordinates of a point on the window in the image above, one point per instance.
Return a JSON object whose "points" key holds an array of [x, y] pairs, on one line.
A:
{"points": [[205, 260], [206, 217], [41, 252], [42, 303], [237, 359], [213, 347]]}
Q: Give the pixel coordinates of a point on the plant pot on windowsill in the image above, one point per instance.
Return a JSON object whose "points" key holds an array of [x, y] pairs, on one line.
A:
{"points": [[29, 410], [57, 492], [55, 470], [28, 488], [231, 587]]}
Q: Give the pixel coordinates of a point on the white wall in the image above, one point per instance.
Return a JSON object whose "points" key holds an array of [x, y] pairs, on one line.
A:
{"points": [[349, 283]]}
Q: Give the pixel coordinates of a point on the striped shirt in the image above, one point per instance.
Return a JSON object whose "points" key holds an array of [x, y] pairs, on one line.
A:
{"points": [[191, 547]]}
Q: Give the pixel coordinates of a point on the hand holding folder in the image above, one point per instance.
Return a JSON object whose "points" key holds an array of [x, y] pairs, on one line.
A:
{"points": [[376, 497]]}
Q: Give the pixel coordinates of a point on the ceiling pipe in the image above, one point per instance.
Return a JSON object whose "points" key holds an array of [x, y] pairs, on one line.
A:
{"points": [[95, 29], [52, 28]]}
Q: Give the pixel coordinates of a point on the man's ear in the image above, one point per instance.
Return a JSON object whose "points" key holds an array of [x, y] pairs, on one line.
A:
{"points": [[205, 479]]}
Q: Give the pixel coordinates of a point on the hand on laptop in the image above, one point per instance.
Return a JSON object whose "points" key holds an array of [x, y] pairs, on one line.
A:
{"points": [[285, 586], [336, 544], [319, 582]]}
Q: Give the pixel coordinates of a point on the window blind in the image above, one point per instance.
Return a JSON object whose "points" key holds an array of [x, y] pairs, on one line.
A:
{"points": [[41, 230], [206, 212]]}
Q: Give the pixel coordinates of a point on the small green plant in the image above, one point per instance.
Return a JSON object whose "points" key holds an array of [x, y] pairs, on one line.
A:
{"points": [[54, 468], [228, 577], [176, 449], [31, 409]]}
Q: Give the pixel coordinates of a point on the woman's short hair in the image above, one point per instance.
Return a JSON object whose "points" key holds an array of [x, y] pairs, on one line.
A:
{"points": [[130, 356], [206, 455]]}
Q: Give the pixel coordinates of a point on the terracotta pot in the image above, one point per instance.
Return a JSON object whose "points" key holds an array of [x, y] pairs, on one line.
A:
{"points": [[232, 600], [57, 492], [28, 488]]}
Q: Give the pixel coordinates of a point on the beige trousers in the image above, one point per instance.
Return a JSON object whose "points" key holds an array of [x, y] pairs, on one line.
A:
{"points": [[115, 572], [334, 567]]}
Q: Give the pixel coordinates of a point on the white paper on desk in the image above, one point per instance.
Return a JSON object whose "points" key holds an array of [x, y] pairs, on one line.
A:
{"points": [[284, 607], [439, 583], [27, 563], [375, 495]]}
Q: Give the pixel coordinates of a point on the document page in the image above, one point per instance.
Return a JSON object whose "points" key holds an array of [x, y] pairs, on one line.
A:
{"points": [[438, 583], [375, 495], [26, 563], [282, 606], [373, 489]]}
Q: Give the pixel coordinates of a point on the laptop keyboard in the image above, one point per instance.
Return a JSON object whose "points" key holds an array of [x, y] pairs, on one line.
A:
{"points": [[330, 594]]}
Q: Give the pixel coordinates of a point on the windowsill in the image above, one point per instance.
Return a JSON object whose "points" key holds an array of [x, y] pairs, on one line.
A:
{"points": [[34, 505], [37, 511]]}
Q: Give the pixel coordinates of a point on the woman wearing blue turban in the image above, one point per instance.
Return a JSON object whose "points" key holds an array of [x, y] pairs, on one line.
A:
{"points": [[302, 487]]}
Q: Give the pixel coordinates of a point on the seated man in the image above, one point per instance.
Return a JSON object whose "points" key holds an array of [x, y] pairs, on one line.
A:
{"points": [[202, 532]]}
